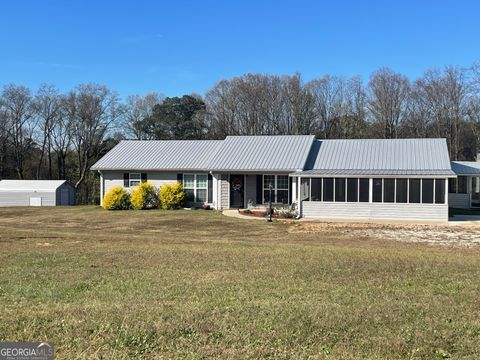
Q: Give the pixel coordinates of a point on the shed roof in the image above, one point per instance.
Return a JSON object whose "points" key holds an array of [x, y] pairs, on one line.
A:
{"points": [[30, 185], [466, 167], [262, 153], [380, 157], [159, 155]]}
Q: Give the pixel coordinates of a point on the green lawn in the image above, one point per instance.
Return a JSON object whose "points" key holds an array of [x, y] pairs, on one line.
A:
{"points": [[195, 284]]}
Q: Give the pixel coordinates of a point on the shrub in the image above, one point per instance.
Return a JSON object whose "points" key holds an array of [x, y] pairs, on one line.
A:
{"points": [[117, 198], [172, 196], [286, 213], [144, 197]]}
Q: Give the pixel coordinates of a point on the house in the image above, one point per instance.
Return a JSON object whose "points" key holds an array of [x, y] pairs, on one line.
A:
{"points": [[36, 193], [464, 191], [363, 179]]}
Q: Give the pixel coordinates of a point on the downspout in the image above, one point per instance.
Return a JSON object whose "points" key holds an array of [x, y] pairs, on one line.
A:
{"points": [[299, 199], [101, 187]]}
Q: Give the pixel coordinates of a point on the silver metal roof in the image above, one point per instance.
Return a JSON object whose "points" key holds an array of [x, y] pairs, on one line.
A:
{"points": [[159, 155], [466, 167], [262, 153], [30, 185], [378, 173], [381, 157]]}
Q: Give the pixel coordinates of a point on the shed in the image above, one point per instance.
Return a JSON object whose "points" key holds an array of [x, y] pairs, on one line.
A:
{"points": [[36, 193]]}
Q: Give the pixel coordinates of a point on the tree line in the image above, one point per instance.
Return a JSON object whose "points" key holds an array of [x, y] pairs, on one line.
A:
{"points": [[48, 134]]}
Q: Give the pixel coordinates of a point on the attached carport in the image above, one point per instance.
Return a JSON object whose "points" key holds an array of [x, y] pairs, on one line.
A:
{"points": [[36, 193]]}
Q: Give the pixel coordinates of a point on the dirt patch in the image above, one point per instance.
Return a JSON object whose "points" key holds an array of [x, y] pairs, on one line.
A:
{"points": [[428, 234]]}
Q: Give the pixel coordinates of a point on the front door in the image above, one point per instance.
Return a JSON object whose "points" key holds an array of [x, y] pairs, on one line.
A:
{"points": [[237, 191]]}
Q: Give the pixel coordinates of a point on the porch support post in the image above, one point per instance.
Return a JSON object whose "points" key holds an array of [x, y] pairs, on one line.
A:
{"points": [[294, 189], [102, 188]]}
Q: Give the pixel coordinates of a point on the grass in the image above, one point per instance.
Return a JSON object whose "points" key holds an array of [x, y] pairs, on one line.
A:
{"points": [[195, 284]]}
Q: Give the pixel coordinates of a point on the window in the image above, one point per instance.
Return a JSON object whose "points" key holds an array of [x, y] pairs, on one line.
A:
{"points": [[389, 190], [452, 185], [282, 189], [462, 184], [427, 191], [267, 181], [328, 189], [439, 191], [305, 189], [316, 189], [134, 179], [352, 190], [377, 190], [196, 187], [279, 188], [414, 191], [340, 189], [364, 186], [401, 191], [202, 186]]}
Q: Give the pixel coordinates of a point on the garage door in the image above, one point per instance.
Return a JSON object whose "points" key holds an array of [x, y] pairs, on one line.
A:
{"points": [[35, 201]]}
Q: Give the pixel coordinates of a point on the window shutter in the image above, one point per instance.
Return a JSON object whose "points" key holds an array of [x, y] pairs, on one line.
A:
{"points": [[143, 176], [125, 179], [180, 178], [290, 189], [259, 189], [210, 188]]}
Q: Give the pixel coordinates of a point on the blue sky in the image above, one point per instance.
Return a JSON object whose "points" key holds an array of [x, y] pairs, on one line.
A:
{"points": [[181, 47]]}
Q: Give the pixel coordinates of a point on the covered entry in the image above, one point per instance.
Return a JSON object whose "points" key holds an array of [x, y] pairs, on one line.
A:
{"points": [[237, 191]]}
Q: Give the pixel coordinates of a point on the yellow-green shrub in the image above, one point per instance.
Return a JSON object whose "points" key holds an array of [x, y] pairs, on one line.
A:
{"points": [[117, 198], [172, 196], [144, 196]]}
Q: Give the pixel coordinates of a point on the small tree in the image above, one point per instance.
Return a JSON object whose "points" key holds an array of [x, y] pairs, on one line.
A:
{"points": [[172, 196], [117, 198], [145, 196]]}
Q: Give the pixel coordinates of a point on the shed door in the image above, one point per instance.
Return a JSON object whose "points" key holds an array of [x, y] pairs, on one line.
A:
{"points": [[35, 201], [64, 197]]}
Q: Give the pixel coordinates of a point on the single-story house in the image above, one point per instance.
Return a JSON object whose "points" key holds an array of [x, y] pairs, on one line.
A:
{"points": [[464, 191], [36, 193], [362, 179]]}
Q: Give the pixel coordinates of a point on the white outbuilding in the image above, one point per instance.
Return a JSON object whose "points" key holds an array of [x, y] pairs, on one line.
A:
{"points": [[36, 193]]}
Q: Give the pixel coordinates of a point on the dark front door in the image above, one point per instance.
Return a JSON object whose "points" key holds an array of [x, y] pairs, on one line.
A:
{"points": [[237, 191]]}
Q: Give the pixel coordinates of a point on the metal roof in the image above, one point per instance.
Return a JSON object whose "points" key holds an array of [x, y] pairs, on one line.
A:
{"points": [[379, 173], [159, 155], [466, 167], [381, 157], [30, 185], [262, 153]]}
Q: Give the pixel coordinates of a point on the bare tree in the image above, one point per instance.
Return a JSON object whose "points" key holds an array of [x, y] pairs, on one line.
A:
{"points": [[445, 100], [17, 104], [3, 140], [137, 109], [47, 110], [92, 110], [299, 107], [388, 100]]}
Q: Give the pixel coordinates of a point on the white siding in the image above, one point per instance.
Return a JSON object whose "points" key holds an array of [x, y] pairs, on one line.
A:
{"points": [[459, 201], [22, 198], [157, 179], [371, 211], [224, 202]]}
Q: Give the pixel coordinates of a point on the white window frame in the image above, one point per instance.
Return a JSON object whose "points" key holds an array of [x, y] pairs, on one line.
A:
{"points": [[195, 187], [275, 188], [130, 180]]}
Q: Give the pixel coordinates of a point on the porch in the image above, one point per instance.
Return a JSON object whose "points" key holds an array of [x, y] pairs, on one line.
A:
{"points": [[249, 190], [464, 192]]}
